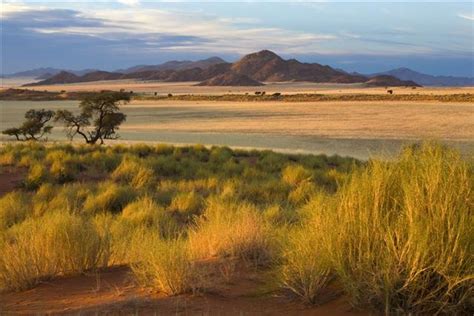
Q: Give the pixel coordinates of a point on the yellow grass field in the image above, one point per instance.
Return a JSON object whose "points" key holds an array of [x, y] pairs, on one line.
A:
{"points": [[269, 88], [391, 120]]}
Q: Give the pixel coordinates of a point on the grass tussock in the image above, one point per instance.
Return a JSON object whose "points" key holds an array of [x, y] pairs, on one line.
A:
{"points": [[229, 229], [165, 265], [396, 236], [44, 247]]}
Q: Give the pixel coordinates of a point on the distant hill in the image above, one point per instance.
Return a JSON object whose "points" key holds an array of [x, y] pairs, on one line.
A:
{"points": [[230, 79], [65, 77], [251, 70], [45, 73], [390, 81], [427, 80], [268, 66], [175, 65]]}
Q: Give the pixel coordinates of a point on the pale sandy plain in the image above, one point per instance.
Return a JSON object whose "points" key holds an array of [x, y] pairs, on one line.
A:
{"points": [[357, 129], [191, 88]]}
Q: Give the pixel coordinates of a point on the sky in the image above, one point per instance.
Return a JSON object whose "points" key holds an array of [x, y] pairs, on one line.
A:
{"points": [[431, 37]]}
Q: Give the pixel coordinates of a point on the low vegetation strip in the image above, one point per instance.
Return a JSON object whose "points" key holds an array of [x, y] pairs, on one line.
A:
{"points": [[393, 236], [258, 96], [462, 97]]}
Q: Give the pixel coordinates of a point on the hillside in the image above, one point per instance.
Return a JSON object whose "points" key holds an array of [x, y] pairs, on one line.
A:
{"points": [[175, 65], [268, 66], [252, 69], [65, 77], [390, 81], [427, 80], [230, 79]]}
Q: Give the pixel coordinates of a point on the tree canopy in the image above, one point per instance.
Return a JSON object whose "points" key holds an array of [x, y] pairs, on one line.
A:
{"points": [[34, 127], [99, 117]]}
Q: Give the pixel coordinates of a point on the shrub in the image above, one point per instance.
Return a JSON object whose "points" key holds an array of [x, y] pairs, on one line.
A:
{"points": [[187, 203], [135, 173], [231, 229], [145, 212], [67, 198], [401, 233], [37, 174], [14, 208], [44, 247], [306, 268], [110, 197], [296, 174], [164, 265]]}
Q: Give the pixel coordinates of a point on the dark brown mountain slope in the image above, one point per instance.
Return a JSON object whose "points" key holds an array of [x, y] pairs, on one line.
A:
{"points": [[230, 79], [61, 78], [268, 66], [66, 77], [390, 81]]}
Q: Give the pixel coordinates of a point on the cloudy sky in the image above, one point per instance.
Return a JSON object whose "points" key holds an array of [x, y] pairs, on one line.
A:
{"points": [[436, 38]]}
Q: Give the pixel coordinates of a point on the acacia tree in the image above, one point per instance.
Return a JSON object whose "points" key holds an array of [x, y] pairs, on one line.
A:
{"points": [[99, 117], [34, 127]]}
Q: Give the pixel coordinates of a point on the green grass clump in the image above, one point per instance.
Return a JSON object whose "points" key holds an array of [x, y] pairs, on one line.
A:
{"points": [[165, 265], [41, 248], [396, 236], [134, 173], [229, 229], [109, 197], [14, 208], [187, 203], [399, 235], [147, 213]]}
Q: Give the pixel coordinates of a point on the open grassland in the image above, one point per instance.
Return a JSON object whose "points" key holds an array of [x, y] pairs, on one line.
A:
{"points": [[391, 236], [163, 88], [366, 120], [258, 96]]}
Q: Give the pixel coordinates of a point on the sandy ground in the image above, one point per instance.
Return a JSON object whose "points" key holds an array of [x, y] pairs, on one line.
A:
{"points": [[189, 88], [10, 179], [113, 292], [370, 120]]}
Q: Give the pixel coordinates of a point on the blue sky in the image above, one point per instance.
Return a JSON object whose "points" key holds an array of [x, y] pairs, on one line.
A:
{"points": [[432, 37]]}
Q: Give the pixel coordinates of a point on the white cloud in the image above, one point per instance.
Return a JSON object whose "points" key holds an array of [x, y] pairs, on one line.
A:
{"points": [[211, 33], [131, 3], [469, 17]]}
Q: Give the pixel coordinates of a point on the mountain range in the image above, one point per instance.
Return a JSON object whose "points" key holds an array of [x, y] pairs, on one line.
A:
{"points": [[252, 69], [261, 66], [427, 80]]}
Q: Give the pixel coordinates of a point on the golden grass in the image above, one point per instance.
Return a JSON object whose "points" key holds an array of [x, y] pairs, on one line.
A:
{"points": [[41, 248], [165, 265], [398, 235], [395, 235], [229, 229]]}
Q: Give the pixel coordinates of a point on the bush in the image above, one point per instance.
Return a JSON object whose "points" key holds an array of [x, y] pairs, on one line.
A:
{"points": [[44, 247], [135, 173], [165, 265], [110, 197], [67, 198], [37, 175], [230, 229], [306, 268], [14, 208], [400, 233], [296, 174], [145, 212], [187, 203]]}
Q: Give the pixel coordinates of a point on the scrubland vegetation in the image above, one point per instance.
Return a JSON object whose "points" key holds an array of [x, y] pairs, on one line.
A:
{"points": [[312, 97], [258, 96], [393, 236]]}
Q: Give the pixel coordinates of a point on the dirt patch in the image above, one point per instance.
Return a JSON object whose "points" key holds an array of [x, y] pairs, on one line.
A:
{"points": [[11, 179], [114, 292]]}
